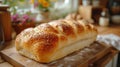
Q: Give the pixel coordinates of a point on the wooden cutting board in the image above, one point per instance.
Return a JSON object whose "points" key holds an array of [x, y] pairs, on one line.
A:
{"points": [[82, 58]]}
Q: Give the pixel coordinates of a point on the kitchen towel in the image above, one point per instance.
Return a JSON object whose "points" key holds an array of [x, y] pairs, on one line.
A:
{"points": [[110, 39]]}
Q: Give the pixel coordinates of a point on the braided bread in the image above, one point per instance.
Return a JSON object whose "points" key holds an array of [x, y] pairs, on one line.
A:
{"points": [[54, 40]]}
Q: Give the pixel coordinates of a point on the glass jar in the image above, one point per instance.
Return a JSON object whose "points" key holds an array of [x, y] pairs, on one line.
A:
{"points": [[104, 19]]}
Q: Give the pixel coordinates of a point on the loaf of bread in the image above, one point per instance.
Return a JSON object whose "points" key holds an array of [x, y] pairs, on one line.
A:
{"points": [[54, 40]]}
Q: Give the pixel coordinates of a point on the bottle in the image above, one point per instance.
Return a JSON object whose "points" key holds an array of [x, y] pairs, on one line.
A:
{"points": [[104, 19], [5, 21]]}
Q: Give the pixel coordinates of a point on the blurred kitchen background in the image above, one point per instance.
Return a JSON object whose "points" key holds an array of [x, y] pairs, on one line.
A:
{"points": [[16, 15], [55, 9]]}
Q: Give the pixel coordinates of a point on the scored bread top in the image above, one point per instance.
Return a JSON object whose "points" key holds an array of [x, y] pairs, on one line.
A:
{"points": [[47, 38]]}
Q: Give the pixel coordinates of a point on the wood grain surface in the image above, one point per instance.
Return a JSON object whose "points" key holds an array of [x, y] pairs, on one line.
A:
{"points": [[83, 57]]}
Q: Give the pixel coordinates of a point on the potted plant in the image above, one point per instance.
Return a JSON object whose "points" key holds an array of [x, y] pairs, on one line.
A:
{"points": [[43, 7], [21, 22]]}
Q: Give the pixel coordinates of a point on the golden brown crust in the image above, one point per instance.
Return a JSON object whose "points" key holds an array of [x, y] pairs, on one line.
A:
{"points": [[43, 41], [46, 27], [46, 43]]}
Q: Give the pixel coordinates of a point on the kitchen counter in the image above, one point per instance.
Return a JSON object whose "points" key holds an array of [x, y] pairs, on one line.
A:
{"points": [[112, 29]]}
